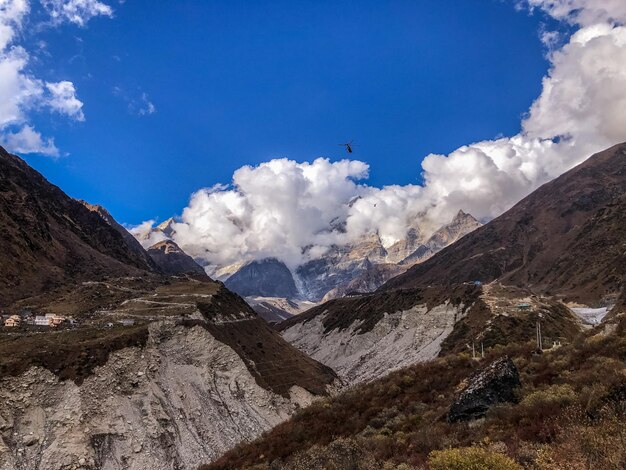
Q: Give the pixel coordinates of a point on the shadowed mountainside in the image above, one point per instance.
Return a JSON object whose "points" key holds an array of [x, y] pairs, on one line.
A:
{"points": [[48, 238], [267, 278], [172, 260]]}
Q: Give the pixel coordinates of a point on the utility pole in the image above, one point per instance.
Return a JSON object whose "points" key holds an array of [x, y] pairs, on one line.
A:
{"points": [[482, 350], [539, 339]]}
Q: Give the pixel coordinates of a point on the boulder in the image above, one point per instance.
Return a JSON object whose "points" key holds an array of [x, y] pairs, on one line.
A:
{"points": [[493, 384]]}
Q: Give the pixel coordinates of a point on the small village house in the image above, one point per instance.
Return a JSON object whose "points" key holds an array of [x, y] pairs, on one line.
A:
{"points": [[54, 320], [13, 321], [49, 319]]}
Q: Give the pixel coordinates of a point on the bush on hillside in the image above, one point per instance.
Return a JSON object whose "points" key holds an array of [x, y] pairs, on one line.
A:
{"points": [[470, 458]]}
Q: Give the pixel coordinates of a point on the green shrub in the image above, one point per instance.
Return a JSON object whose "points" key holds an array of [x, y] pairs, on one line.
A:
{"points": [[470, 458], [554, 396]]}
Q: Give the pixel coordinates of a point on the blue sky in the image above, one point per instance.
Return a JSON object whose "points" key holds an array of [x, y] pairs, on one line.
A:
{"points": [[237, 83]]}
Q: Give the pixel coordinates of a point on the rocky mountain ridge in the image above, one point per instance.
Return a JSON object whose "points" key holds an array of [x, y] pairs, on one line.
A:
{"points": [[49, 239], [363, 265]]}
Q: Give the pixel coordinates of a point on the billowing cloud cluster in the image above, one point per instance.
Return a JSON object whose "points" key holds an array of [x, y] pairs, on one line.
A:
{"points": [[296, 210], [21, 93]]}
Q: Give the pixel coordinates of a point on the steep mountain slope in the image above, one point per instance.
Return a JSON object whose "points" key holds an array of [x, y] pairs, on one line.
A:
{"points": [[197, 373], [363, 337], [48, 238], [566, 238], [368, 281], [400, 256], [361, 265], [130, 240], [170, 259], [277, 309], [400, 250], [266, 278]]}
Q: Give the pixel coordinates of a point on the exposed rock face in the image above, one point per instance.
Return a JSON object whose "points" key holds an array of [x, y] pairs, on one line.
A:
{"points": [[265, 278], [172, 260], [364, 337], [197, 373], [317, 277], [399, 339], [368, 281], [179, 401], [167, 227], [278, 309], [494, 384], [362, 265], [565, 238], [339, 267], [400, 250], [221, 273], [461, 225], [164, 231], [366, 265], [49, 239]]}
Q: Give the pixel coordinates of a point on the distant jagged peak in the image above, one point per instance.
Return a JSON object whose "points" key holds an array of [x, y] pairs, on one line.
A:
{"points": [[167, 246], [167, 227], [463, 216]]}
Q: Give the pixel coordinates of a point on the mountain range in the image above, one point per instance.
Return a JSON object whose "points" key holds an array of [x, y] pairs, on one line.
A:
{"points": [[165, 368], [361, 266]]}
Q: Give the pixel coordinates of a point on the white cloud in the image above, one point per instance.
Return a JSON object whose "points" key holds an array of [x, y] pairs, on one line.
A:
{"points": [[142, 107], [137, 102], [21, 93], [12, 13], [28, 140], [282, 208], [63, 99], [76, 11], [582, 12], [144, 233], [274, 209]]}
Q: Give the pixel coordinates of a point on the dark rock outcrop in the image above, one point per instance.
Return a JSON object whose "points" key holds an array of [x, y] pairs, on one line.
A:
{"points": [[493, 384]]}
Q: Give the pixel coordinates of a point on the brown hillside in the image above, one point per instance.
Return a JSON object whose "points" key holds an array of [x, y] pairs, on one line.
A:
{"points": [[48, 239]]}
